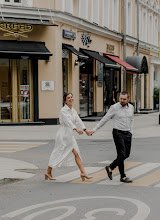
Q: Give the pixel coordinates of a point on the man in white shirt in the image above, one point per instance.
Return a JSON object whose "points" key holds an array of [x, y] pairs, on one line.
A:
{"points": [[122, 114]]}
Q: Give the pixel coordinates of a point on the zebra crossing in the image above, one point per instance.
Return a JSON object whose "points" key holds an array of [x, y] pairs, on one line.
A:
{"points": [[142, 174], [12, 147]]}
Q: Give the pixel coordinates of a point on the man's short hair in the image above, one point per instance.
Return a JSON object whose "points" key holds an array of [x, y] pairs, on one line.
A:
{"points": [[125, 93]]}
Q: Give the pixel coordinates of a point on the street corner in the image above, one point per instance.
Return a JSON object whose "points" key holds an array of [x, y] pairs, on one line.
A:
{"points": [[9, 169]]}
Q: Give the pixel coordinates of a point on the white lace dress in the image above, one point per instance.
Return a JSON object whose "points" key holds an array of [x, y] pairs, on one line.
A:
{"points": [[65, 141]]}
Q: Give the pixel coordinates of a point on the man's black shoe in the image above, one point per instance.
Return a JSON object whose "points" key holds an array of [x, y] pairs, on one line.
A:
{"points": [[125, 180], [108, 172]]}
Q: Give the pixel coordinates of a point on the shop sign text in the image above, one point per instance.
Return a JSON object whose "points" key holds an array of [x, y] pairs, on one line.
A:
{"points": [[86, 39], [69, 34], [16, 30], [110, 48]]}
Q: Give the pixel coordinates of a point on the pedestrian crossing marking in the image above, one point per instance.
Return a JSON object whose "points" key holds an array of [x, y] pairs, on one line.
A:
{"points": [[133, 173], [103, 175], [21, 143], [75, 174], [142, 174], [12, 147], [147, 180]]}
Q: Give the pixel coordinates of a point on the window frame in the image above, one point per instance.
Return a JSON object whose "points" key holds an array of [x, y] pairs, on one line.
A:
{"points": [[129, 18], [156, 31], [115, 15], [92, 8], [64, 2], [13, 2], [81, 2], [106, 23]]}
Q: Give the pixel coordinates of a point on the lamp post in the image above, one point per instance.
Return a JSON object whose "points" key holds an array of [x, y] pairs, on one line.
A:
{"points": [[137, 77], [124, 43]]}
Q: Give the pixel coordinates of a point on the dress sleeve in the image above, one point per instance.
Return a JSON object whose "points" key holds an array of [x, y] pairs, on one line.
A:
{"points": [[106, 118], [64, 119], [79, 121]]}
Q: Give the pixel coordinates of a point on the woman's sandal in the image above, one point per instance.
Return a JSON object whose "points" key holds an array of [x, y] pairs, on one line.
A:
{"points": [[85, 176], [47, 176]]}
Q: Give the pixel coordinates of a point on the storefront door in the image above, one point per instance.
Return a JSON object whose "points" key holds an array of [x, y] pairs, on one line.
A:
{"points": [[16, 90], [111, 87], [86, 89]]}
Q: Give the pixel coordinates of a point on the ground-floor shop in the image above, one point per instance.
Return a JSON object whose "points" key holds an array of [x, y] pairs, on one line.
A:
{"points": [[35, 74]]}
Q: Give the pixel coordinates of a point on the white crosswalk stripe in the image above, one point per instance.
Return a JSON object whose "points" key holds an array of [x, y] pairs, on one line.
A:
{"points": [[12, 147], [133, 173], [76, 174], [137, 172]]}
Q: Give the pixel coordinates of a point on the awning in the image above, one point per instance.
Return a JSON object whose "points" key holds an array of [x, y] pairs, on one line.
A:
{"points": [[24, 49], [127, 66], [107, 62], [139, 62], [80, 55]]}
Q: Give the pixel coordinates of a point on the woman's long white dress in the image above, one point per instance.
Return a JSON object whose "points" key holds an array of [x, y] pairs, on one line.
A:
{"points": [[65, 142]]}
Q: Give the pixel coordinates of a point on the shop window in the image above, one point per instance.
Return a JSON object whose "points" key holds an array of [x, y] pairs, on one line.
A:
{"points": [[156, 32], [65, 60], [106, 13], [67, 6], [151, 29], [95, 11], [13, 1], [144, 26], [83, 9], [26, 3], [115, 15], [5, 90], [129, 18]]}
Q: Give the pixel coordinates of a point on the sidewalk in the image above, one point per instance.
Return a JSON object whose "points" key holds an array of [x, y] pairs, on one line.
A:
{"points": [[144, 126]]}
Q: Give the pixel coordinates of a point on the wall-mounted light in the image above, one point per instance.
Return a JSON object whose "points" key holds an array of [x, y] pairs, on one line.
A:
{"points": [[76, 63]]}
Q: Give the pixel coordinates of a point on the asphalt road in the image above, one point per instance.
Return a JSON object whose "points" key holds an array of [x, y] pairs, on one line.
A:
{"points": [[70, 198]]}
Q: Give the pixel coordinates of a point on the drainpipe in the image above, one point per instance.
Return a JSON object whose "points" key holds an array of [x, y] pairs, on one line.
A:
{"points": [[124, 43], [137, 78]]}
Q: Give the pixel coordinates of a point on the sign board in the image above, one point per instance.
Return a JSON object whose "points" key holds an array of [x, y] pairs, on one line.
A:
{"points": [[69, 34], [24, 91], [47, 85], [16, 30], [86, 39], [110, 48], [100, 74]]}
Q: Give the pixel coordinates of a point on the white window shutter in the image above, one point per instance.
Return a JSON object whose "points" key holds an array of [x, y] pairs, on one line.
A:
{"points": [[106, 13], [95, 11], [83, 9]]}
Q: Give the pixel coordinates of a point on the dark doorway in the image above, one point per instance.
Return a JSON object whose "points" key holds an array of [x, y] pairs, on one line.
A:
{"points": [[86, 88], [111, 87]]}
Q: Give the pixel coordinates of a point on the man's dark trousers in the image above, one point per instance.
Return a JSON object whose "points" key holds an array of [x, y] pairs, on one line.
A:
{"points": [[122, 140]]}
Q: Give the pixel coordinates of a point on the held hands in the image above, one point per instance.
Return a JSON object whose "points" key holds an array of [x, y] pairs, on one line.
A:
{"points": [[78, 131], [89, 133]]}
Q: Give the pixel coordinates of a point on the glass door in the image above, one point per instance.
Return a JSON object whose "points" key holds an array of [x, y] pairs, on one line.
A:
{"points": [[24, 90], [16, 90], [111, 87], [5, 91], [86, 87]]}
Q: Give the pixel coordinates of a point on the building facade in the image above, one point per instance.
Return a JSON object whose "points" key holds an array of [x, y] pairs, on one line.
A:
{"points": [[50, 47]]}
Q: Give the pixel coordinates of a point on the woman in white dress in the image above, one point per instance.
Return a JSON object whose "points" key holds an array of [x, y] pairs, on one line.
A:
{"points": [[66, 151]]}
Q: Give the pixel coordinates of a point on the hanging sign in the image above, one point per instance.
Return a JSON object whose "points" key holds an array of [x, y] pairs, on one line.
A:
{"points": [[16, 30]]}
